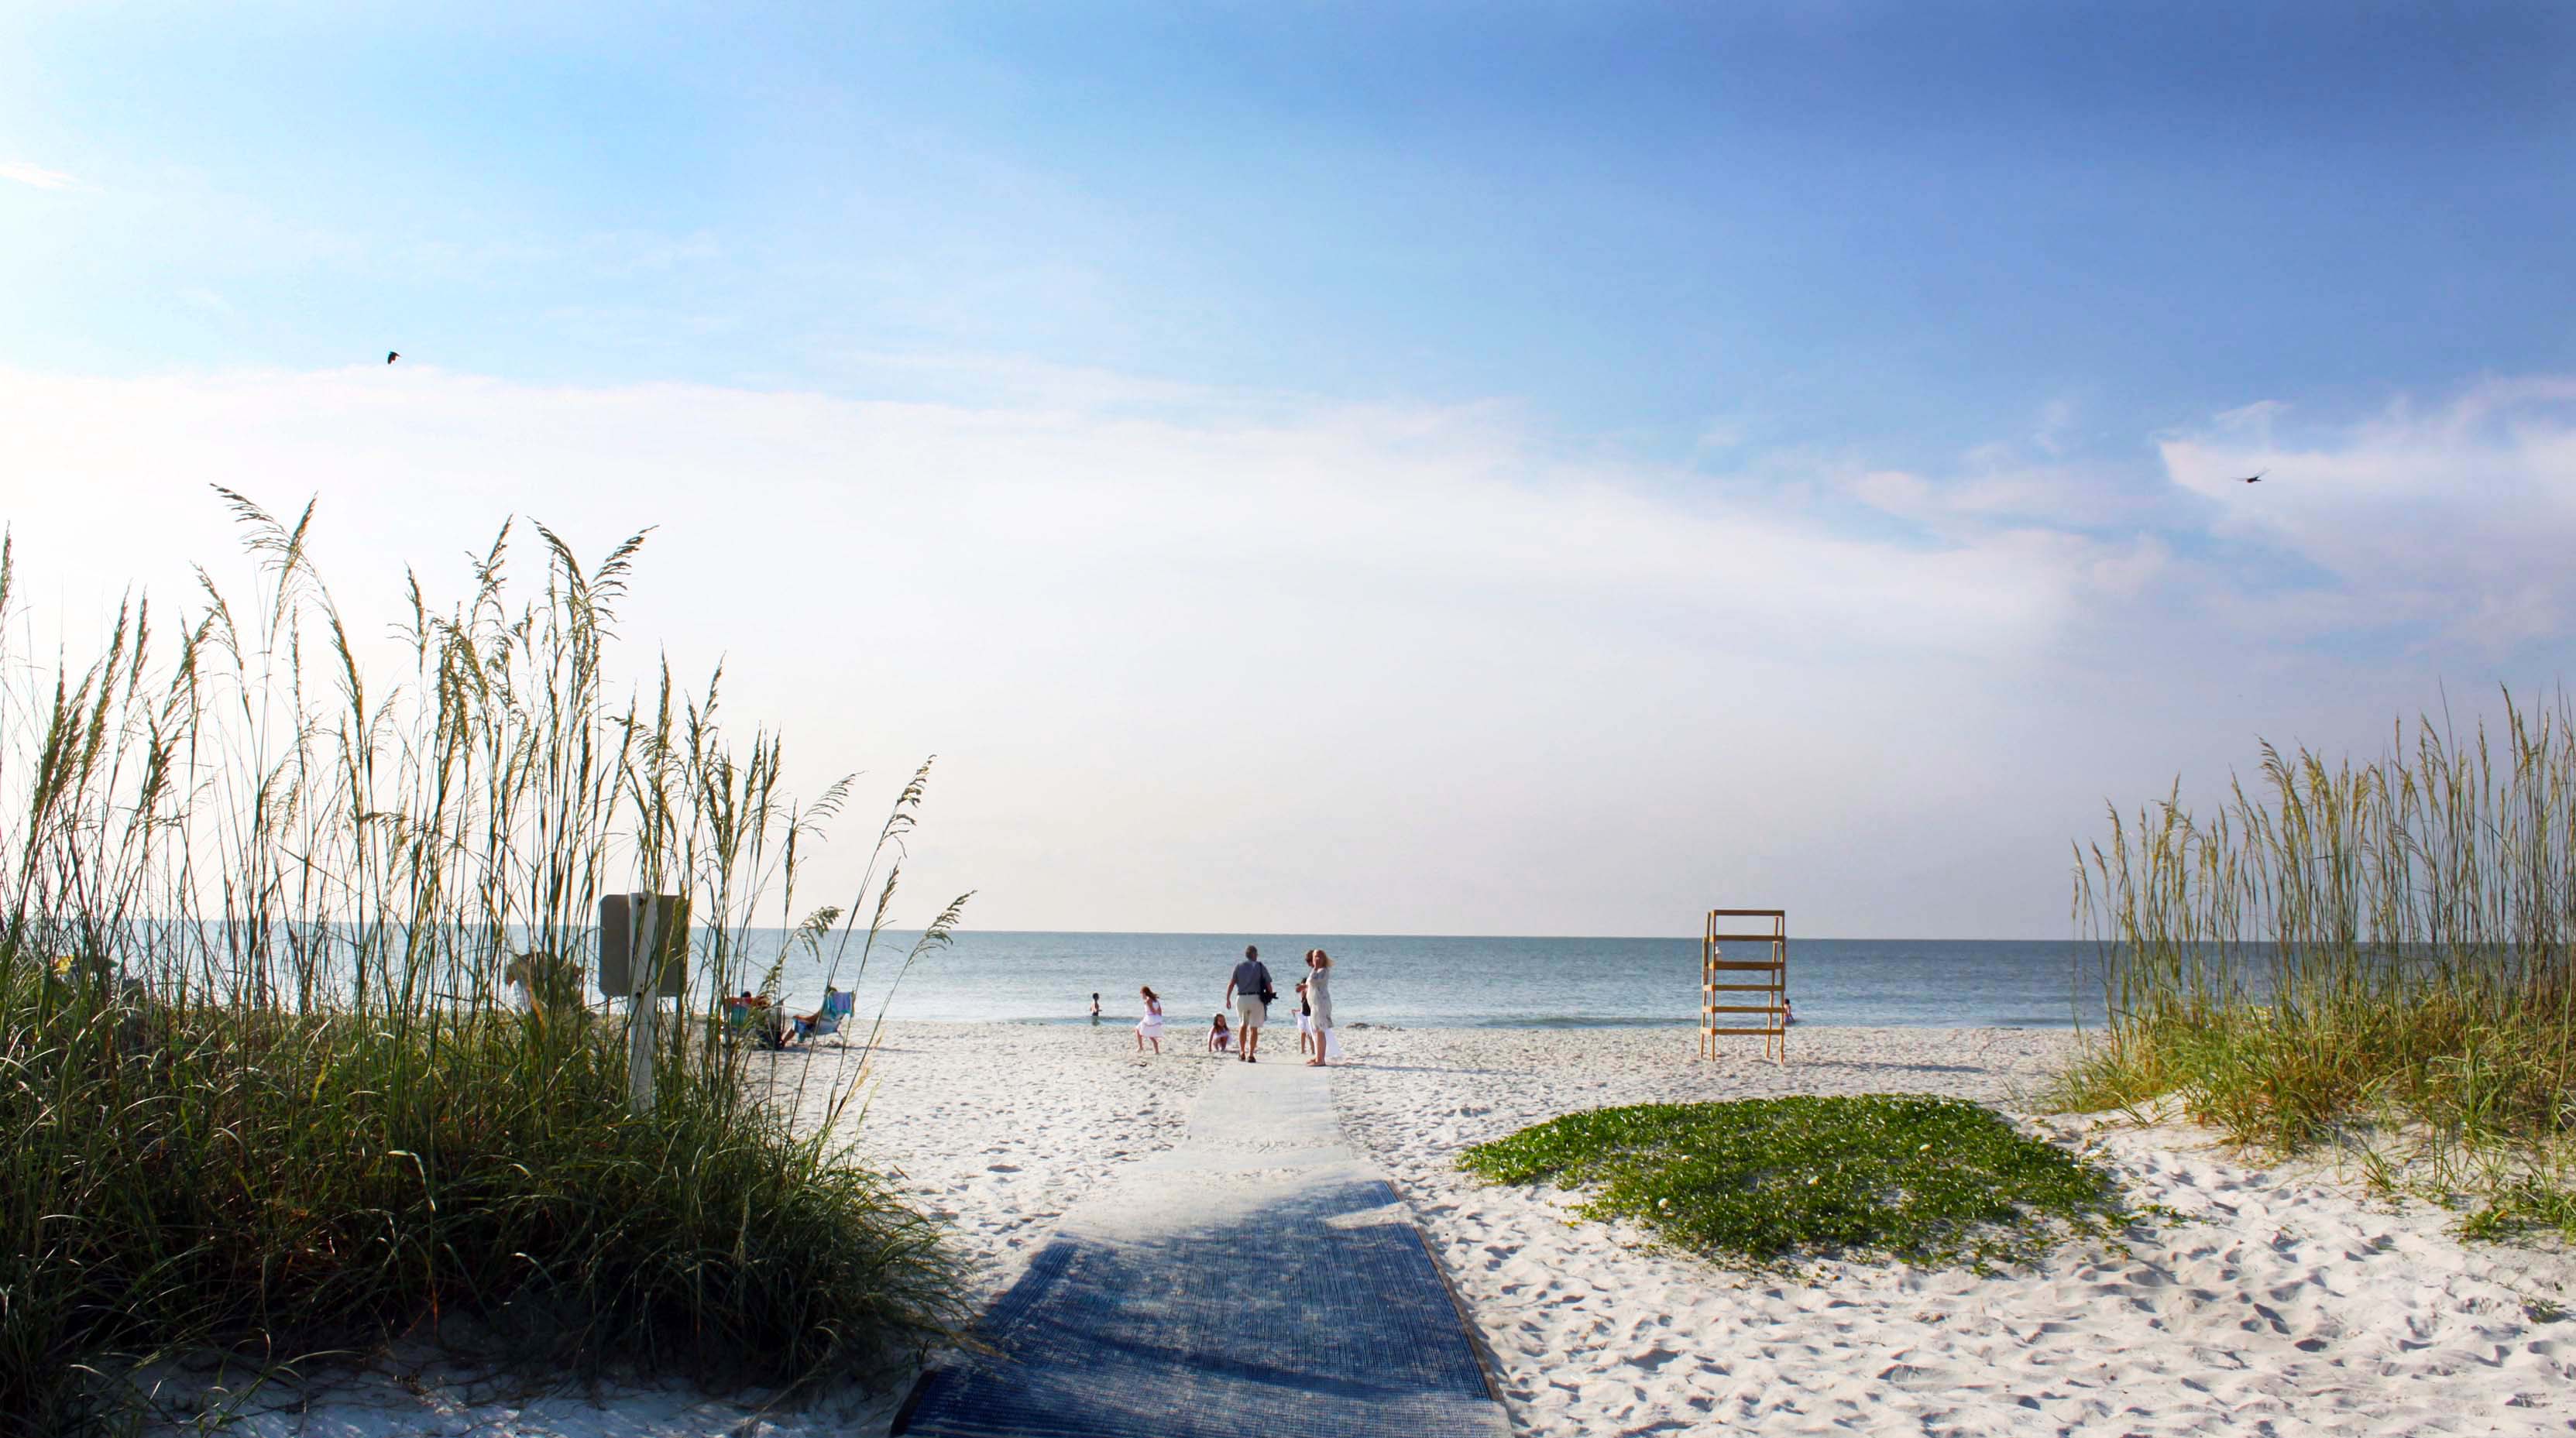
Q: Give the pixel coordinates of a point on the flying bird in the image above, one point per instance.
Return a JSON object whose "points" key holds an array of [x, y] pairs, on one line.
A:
{"points": [[392, 355], [2249, 479]]}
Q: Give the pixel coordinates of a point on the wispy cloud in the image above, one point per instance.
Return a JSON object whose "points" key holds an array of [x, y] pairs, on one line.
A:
{"points": [[1014, 379], [1197, 662], [36, 175], [2451, 521], [1243, 609]]}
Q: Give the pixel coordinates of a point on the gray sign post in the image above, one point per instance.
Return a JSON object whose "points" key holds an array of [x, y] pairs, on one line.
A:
{"points": [[644, 959]]}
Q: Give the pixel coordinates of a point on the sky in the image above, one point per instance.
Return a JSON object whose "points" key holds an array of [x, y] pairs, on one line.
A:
{"points": [[1425, 469]]}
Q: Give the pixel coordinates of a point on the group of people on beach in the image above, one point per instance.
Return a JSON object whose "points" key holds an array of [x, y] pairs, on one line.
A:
{"points": [[1249, 994], [772, 1025]]}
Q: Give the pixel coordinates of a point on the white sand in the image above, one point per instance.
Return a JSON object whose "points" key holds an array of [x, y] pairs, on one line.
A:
{"points": [[1002, 1127], [2277, 1304], [998, 1128]]}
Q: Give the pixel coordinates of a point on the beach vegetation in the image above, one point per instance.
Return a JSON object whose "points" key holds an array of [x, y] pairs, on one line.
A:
{"points": [[1770, 1181], [2375, 958], [265, 1089]]}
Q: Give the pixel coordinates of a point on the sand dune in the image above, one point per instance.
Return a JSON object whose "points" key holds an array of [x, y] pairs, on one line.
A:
{"points": [[2274, 1302]]}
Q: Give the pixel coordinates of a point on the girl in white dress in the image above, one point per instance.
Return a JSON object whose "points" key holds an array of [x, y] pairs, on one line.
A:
{"points": [[1149, 1029], [1319, 996]]}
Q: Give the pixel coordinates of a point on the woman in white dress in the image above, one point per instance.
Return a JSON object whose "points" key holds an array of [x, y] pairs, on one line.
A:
{"points": [[1149, 1029], [1319, 996]]}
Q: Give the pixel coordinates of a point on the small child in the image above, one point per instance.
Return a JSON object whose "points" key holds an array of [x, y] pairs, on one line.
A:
{"points": [[1149, 1029], [1220, 1038], [1305, 1020]]}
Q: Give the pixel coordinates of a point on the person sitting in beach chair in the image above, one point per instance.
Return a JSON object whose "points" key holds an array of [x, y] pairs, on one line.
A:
{"points": [[1220, 1038], [827, 1019], [755, 1015]]}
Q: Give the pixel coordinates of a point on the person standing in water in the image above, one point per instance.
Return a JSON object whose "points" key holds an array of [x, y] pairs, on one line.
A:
{"points": [[1248, 994], [1095, 1010]]}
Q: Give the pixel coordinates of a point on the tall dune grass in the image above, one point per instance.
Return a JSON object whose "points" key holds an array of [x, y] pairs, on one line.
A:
{"points": [[2386, 940], [261, 1088]]}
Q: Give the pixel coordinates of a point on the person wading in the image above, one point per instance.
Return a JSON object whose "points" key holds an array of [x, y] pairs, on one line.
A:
{"points": [[1248, 992]]}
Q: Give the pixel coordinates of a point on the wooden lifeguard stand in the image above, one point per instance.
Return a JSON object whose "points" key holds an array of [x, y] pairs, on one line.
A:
{"points": [[1763, 981]]}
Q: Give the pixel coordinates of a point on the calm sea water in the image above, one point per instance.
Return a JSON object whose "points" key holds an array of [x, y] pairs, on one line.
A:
{"points": [[1509, 982]]}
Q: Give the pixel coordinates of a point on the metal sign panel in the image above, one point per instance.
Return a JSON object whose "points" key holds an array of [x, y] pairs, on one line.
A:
{"points": [[626, 927]]}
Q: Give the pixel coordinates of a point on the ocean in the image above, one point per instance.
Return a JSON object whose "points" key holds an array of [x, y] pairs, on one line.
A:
{"points": [[1418, 980]]}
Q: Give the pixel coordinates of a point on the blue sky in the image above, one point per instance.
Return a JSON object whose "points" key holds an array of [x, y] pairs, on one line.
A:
{"points": [[1904, 226], [1997, 289]]}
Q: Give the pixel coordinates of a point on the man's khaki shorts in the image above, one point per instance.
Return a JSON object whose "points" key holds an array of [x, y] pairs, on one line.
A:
{"points": [[1250, 1010]]}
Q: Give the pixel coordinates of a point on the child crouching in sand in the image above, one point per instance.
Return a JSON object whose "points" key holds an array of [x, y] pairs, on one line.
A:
{"points": [[1220, 1038]]}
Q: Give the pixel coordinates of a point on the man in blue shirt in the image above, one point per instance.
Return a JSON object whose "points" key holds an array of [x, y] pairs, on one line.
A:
{"points": [[1244, 994]]}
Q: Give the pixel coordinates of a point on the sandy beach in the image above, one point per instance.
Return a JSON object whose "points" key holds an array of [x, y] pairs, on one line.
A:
{"points": [[2268, 1300], [2272, 1303], [549, 556]]}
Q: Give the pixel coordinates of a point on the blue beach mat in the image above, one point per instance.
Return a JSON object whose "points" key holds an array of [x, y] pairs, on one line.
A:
{"points": [[1278, 1292]]}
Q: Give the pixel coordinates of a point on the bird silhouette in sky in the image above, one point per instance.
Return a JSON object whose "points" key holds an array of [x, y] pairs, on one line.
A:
{"points": [[392, 355], [2249, 479]]}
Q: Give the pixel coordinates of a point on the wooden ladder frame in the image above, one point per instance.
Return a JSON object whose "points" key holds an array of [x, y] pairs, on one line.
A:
{"points": [[1768, 977]]}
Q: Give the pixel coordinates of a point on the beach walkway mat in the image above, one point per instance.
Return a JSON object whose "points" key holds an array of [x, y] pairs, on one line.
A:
{"points": [[1260, 1278]]}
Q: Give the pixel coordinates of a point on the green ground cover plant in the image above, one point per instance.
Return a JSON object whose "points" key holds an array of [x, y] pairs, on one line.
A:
{"points": [[263, 1092], [2377, 957], [1778, 1180]]}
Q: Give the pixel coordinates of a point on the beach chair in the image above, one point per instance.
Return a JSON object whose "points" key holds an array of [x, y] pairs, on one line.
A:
{"points": [[836, 1007], [760, 1025]]}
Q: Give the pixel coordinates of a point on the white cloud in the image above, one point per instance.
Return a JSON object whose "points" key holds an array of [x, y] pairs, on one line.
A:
{"points": [[2452, 522], [2056, 425], [1995, 485], [1201, 661], [2256, 417], [1014, 379], [1405, 502], [36, 175]]}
